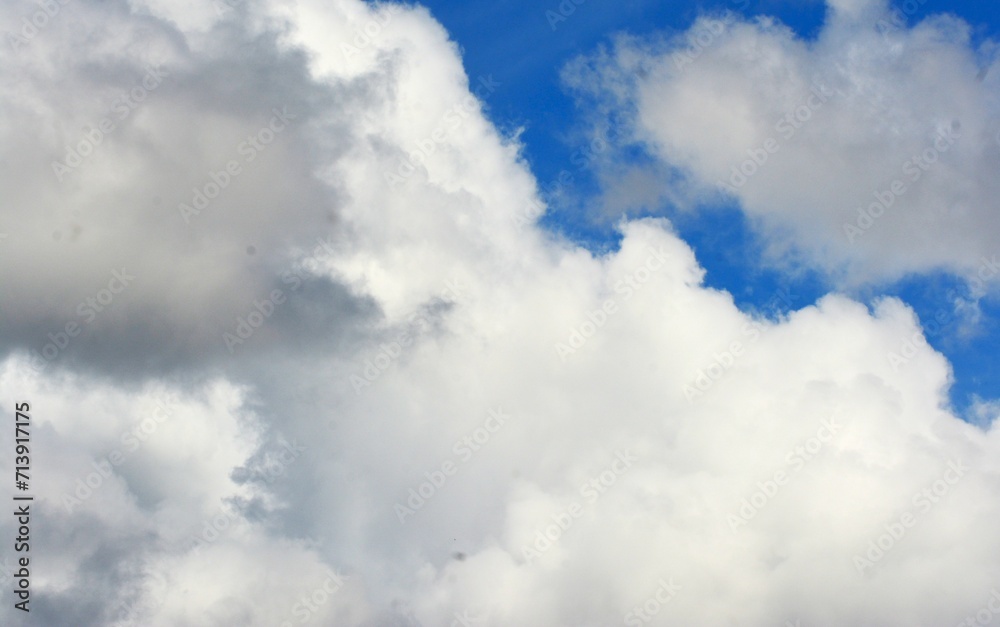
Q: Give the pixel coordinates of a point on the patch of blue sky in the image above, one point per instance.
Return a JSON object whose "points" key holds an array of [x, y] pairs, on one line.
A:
{"points": [[525, 45]]}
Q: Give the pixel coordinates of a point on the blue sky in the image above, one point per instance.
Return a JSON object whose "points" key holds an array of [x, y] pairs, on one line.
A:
{"points": [[347, 377], [516, 43]]}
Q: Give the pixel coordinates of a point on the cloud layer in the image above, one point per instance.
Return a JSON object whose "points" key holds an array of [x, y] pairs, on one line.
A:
{"points": [[428, 410]]}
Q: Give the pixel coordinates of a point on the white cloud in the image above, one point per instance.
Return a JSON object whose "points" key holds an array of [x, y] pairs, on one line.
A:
{"points": [[872, 148], [290, 475]]}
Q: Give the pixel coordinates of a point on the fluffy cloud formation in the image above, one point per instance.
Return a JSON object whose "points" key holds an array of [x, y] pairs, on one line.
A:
{"points": [[453, 418], [871, 149], [158, 183]]}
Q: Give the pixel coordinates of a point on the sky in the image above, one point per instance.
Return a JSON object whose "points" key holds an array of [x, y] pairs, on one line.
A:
{"points": [[337, 313], [537, 102]]}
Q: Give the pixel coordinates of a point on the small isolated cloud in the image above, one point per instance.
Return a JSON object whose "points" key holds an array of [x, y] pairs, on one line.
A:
{"points": [[872, 148]]}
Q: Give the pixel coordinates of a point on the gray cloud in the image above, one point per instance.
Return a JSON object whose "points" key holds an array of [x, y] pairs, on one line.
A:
{"points": [[176, 109], [204, 479]]}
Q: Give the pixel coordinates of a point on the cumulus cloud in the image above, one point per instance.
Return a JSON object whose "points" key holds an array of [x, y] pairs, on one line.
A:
{"points": [[449, 414], [871, 149], [169, 192]]}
